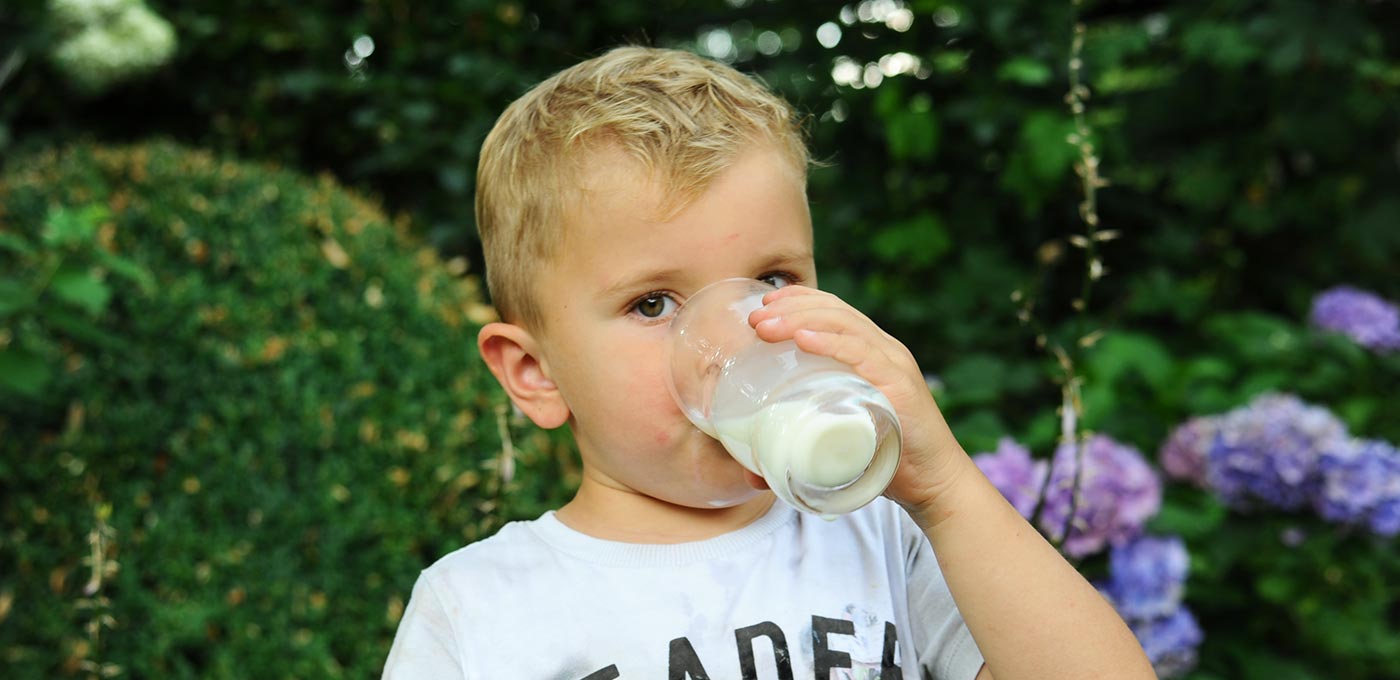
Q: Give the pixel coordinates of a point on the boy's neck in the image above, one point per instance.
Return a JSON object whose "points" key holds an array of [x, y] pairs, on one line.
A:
{"points": [[630, 517]]}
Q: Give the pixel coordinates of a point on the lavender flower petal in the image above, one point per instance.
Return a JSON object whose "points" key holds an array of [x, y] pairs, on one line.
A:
{"points": [[1385, 516], [1148, 576], [1118, 493], [1355, 478], [1184, 453], [1365, 317], [1014, 474], [1170, 642], [1267, 452]]}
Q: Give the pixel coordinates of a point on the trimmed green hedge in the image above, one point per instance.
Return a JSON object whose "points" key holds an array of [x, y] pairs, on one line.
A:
{"points": [[273, 436]]}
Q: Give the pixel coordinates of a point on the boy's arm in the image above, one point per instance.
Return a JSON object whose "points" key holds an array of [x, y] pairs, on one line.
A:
{"points": [[1031, 613], [424, 645]]}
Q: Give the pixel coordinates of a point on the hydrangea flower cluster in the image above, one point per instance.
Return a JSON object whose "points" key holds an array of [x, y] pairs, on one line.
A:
{"points": [[1183, 455], [1361, 485], [1363, 316], [1014, 474], [1266, 453], [1117, 493], [1280, 452], [106, 41], [1147, 578]]}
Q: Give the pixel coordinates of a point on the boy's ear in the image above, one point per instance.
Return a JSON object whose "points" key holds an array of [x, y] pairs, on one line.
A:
{"points": [[513, 356]]}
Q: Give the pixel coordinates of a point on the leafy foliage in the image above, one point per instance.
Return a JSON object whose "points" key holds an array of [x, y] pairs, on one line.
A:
{"points": [[285, 426]]}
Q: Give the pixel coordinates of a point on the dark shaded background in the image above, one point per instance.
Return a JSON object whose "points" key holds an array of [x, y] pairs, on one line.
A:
{"points": [[1253, 150]]}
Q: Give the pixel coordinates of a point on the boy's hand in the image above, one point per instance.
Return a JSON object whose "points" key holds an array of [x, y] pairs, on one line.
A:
{"points": [[823, 324]]}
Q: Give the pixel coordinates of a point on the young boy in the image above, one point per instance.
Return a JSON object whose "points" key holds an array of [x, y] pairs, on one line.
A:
{"points": [[606, 195]]}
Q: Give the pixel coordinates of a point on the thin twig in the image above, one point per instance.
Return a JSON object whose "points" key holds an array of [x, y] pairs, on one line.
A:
{"points": [[1087, 168], [11, 65]]}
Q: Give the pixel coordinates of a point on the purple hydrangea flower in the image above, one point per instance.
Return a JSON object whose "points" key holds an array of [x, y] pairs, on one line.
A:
{"points": [[1014, 474], [1360, 315], [1170, 642], [1355, 478], [1385, 517], [1267, 452], [1147, 577], [1184, 453], [1118, 492]]}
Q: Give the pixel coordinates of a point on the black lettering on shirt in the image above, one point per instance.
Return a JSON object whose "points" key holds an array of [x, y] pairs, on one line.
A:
{"points": [[744, 637], [889, 671], [824, 659], [684, 663], [609, 673]]}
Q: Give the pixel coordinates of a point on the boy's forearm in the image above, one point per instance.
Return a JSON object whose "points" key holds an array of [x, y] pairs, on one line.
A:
{"points": [[1032, 614]]}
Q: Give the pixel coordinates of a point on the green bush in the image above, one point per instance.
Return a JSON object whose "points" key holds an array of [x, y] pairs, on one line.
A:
{"points": [[258, 451]]}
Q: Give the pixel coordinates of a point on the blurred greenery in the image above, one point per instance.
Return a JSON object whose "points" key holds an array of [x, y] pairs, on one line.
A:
{"points": [[1249, 144], [287, 421]]}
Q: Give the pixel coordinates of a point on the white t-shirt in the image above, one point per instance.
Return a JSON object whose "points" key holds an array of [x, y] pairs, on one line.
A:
{"points": [[790, 596]]}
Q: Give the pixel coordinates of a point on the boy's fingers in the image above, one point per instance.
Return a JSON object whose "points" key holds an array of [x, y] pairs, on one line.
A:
{"points": [[798, 302], [825, 319], [774, 327], [788, 291], [852, 350]]}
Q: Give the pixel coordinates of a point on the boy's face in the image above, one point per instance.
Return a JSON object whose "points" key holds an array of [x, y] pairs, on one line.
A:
{"points": [[608, 298]]}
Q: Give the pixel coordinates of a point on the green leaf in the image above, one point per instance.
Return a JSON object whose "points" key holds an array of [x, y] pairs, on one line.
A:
{"points": [[81, 288], [15, 243], [912, 135], [976, 379], [1276, 588], [1257, 337], [24, 372], [951, 61], [14, 297], [1122, 352], [1045, 138], [128, 270], [1025, 71], [1208, 369], [1195, 520], [1219, 44], [919, 241], [80, 328], [980, 430], [1357, 412], [69, 227], [1041, 159]]}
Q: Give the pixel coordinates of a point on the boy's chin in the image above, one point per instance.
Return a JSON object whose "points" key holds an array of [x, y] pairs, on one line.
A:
{"points": [[732, 499], [733, 494]]}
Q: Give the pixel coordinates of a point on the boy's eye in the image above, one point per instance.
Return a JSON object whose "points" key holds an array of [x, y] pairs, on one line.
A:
{"points": [[655, 305], [778, 279]]}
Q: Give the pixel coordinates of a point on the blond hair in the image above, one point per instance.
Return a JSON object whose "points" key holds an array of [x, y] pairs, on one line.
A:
{"points": [[683, 118]]}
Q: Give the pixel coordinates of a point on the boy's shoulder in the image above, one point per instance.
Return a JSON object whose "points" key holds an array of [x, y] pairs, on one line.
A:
{"points": [[513, 546]]}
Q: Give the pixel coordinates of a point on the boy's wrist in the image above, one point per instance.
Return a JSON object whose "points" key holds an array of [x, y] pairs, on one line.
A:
{"points": [[938, 502]]}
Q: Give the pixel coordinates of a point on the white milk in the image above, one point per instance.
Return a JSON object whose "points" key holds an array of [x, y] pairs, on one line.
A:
{"points": [[822, 449], [807, 425]]}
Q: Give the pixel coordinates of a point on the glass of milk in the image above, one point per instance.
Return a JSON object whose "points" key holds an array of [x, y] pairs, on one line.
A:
{"points": [[826, 441]]}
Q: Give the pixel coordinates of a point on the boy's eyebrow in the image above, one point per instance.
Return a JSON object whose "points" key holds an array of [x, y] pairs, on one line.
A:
{"points": [[649, 279], [657, 277], [785, 258]]}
